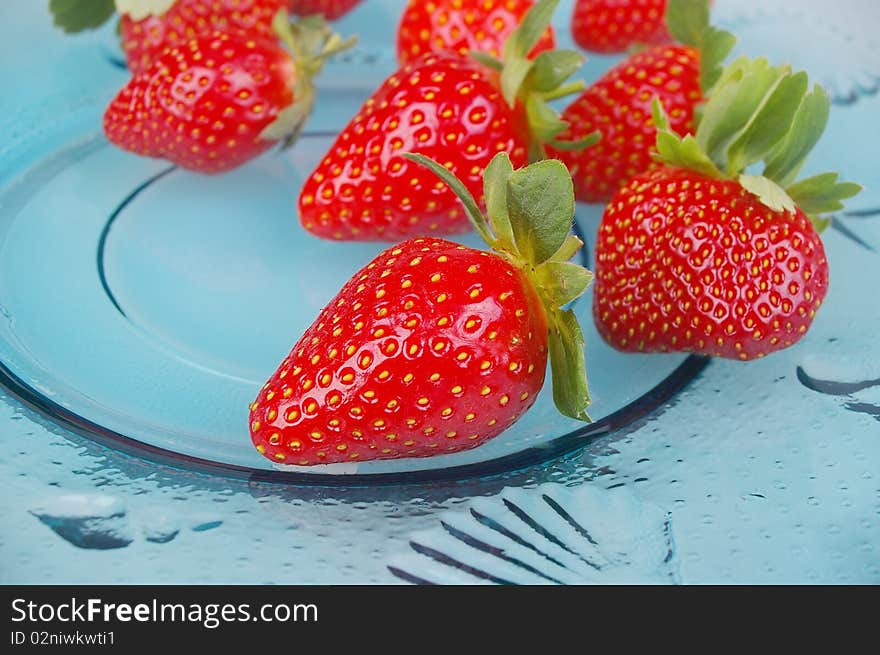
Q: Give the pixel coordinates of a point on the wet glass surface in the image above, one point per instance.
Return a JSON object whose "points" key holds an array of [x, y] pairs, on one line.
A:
{"points": [[765, 472]]}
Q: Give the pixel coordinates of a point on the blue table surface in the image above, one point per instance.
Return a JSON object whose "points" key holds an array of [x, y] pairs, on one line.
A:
{"points": [[767, 472]]}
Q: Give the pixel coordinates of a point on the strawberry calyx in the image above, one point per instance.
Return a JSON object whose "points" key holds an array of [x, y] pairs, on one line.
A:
{"points": [[689, 23], [74, 16], [528, 221], [311, 42], [535, 82], [758, 113]]}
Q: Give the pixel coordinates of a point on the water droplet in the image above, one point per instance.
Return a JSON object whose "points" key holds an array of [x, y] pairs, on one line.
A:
{"points": [[88, 521]]}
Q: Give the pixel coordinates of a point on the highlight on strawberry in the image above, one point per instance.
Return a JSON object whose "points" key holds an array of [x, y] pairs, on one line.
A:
{"points": [[219, 100], [618, 104], [460, 112], [704, 255], [461, 26], [616, 26], [433, 347]]}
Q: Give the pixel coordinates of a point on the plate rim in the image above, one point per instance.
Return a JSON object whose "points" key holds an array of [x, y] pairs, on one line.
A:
{"points": [[674, 383]]}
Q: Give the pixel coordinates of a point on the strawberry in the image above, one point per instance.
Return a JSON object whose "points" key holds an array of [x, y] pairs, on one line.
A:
{"points": [[145, 36], [434, 347], [618, 104], [457, 111], [699, 256], [329, 9], [219, 100], [461, 26], [613, 26]]}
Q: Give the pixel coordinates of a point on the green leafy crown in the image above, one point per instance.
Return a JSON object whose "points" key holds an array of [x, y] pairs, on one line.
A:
{"points": [[760, 114], [311, 42], [528, 220], [537, 82], [689, 23]]}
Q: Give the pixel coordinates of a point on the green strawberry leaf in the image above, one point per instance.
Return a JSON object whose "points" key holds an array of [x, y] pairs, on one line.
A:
{"points": [[807, 127], [770, 123], [520, 43], [478, 220], [545, 122], [551, 69], [770, 194], [822, 194], [673, 150], [487, 60], [571, 393], [590, 140], [733, 105], [495, 179], [289, 122], [562, 281], [716, 47], [513, 76], [536, 82], [687, 20], [311, 41], [759, 113], [78, 15], [533, 25], [568, 249], [820, 223], [540, 203]]}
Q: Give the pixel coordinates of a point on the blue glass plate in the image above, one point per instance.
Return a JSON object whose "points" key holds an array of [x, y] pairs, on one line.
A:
{"points": [[134, 294], [126, 296]]}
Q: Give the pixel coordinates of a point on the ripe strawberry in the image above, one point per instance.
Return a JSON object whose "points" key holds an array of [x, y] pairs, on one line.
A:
{"points": [[612, 26], [329, 9], [618, 105], [434, 347], [143, 38], [456, 111], [698, 256], [219, 100], [461, 26]]}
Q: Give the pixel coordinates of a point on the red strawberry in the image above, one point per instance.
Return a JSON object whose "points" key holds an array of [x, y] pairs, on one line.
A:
{"points": [[219, 100], [697, 256], [618, 106], [612, 26], [434, 347], [329, 9], [445, 107], [461, 26], [145, 38], [204, 105], [454, 110]]}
